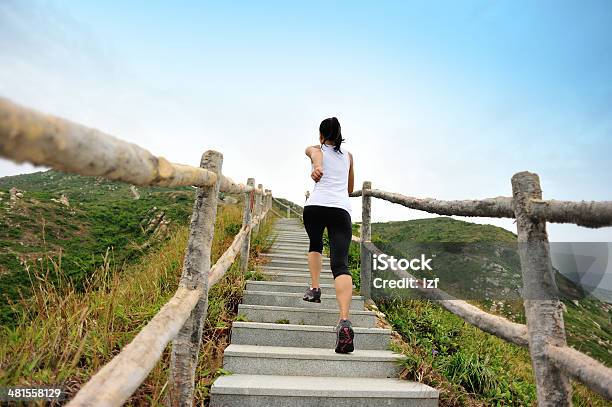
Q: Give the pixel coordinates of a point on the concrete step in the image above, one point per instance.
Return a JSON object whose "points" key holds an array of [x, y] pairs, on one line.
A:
{"points": [[241, 390], [293, 263], [289, 361], [292, 257], [290, 277], [286, 287], [305, 336], [304, 315], [299, 249], [295, 300], [290, 239], [291, 242], [291, 252], [281, 269]]}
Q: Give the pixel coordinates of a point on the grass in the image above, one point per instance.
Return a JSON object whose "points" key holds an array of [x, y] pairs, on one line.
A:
{"points": [[66, 334], [468, 366], [102, 214]]}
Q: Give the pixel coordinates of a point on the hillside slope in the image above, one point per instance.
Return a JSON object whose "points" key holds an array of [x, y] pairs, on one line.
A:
{"points": [[51, 218], [482, 259]]}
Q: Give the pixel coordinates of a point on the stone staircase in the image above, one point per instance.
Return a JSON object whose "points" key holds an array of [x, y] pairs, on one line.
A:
{"points": [[284, 355]]}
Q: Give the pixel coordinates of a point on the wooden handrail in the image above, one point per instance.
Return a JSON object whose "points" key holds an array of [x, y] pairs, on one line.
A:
{"points": [[544, 333], [40, 139], [121, 376], [591, 214], [493, 324], [288, 208]]}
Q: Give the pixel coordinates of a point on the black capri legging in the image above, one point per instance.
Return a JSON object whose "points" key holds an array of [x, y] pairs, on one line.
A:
{"points": [[339, 229]]}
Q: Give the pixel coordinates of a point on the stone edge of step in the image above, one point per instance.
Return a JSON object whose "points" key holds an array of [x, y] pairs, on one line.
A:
{"points": [[308, 328], [284, 284], [300, 309], [326, 354], [297, 295], [306, 386]]}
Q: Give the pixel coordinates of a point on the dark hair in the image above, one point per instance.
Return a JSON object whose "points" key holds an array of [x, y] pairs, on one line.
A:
{"points": [[330, 130]]}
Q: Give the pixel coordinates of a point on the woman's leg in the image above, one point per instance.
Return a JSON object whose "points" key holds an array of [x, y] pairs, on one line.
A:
{"points": [[314, 266], [344, 294], [340, 231], [314, 225]]}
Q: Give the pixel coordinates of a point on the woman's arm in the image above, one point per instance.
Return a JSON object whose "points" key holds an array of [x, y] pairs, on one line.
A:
{"points": [[351, 176], [316, 157]]}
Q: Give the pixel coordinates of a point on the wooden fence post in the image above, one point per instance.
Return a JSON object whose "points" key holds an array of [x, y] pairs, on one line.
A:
{"points": [[543, 310], [186, 345], [246, 219], [366, 236], [288, 211], [268, 199], [258, 204]]}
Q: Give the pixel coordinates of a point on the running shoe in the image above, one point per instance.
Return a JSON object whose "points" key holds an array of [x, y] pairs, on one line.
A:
{"points": [[313, 295], [344, 337]]}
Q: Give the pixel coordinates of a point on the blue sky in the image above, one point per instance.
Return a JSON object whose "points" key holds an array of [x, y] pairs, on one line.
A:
{"points": [[444, 99]]}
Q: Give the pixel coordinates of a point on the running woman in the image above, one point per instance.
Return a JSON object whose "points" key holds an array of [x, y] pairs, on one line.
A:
{"points": [[328, 207]]}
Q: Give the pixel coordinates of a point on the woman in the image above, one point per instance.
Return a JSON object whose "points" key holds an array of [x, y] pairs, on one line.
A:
{"points": [[328, 207]]}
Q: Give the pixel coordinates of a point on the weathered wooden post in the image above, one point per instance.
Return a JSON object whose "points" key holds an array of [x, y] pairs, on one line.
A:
{"points": [[268, 196], [543, 310], [186, 345], [366, 236], [258, 204], [246, 219], [288, 211]]}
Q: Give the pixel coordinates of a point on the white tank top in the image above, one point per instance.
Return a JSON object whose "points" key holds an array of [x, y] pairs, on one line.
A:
{"points": [[332, 188]]}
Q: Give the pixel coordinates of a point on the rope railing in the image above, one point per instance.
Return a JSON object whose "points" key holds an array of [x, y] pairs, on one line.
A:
{"points": [[591, 214], [30, 136], [544, 334], [288, 208], [493, 324]]}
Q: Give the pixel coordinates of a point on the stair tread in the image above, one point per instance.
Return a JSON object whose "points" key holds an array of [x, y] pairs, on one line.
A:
{"points": [[284, 284], [354, 387], [308, 328], [296, 295], [325, 354], [301, 309]]}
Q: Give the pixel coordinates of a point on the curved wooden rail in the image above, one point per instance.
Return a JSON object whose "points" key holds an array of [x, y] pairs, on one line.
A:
{"points": [[553, 361], [27, 135]]}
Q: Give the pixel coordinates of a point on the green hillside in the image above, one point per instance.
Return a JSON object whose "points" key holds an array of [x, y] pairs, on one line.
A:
{"points": [[480, 264], [468, 366], [52, 218]]}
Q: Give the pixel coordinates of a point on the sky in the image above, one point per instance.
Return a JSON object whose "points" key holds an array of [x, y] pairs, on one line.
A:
{"points": [[443, 99]]}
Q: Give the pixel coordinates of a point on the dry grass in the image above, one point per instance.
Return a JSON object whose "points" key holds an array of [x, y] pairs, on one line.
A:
{"points": [[67, 335]]}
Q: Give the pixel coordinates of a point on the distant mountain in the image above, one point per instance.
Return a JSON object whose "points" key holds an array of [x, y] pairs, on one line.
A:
{"points": [[480, 263], [45, 214]]}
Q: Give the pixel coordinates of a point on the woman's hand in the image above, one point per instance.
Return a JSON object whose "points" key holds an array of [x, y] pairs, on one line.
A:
{"points": [[316, 157], [317, 173]]}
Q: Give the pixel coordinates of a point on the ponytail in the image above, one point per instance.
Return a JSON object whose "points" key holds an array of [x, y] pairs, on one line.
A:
{"points": [[330, 130]]}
